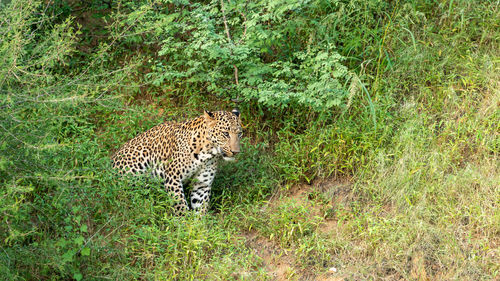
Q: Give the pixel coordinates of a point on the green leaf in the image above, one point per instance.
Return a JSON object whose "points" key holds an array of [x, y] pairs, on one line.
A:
{"points": [[78, 276], [79, 240], [83, 228], [86, 251], [68, 256]]}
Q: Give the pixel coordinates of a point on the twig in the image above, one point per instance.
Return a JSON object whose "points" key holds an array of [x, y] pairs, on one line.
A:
{"points": [[226, 28], [225, 21], [236, 74], [245, 27], [95, 233]]}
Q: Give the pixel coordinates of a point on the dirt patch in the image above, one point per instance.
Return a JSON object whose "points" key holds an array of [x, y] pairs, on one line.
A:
{"points": [[331, 188], [321, 197], [277, 262], [335, 190], [329, 277], [318, 197], [418, 271], [280, 263]]}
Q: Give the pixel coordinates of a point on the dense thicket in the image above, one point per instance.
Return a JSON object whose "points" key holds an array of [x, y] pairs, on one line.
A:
{"points": [[397, 98]]}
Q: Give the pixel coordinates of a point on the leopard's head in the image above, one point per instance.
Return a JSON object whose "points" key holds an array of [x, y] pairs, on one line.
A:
{"points": [[224, 131]]}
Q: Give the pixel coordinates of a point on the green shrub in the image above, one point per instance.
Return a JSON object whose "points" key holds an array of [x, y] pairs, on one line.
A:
{"points": [[258, 51]]}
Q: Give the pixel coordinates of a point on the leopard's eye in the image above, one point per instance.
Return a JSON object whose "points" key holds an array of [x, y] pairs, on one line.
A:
{"points": [[226, 134]]}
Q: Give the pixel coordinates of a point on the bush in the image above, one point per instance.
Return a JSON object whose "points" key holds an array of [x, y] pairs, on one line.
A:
{"points": [[264, 51], [50, 156]]}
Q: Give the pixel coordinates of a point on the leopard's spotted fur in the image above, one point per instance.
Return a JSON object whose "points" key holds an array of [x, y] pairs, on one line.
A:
{"points": [[176, 152]]}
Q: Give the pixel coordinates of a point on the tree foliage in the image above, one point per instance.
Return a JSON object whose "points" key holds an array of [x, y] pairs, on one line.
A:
{"points": [[265, 51]]}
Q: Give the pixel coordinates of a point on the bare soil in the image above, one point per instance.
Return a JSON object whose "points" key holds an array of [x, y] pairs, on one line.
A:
{"points": [[281, 263]]}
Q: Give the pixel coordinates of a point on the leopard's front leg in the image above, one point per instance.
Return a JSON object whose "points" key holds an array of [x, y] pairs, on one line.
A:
{"points": [[200, 195], [175, 187]]}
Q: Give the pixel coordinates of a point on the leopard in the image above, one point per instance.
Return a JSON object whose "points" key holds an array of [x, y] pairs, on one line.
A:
{"points": [[179, 153]]}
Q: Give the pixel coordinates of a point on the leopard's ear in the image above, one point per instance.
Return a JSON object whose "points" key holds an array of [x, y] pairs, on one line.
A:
{"points": [[209, 118], [208, 115], [236, 112]]}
